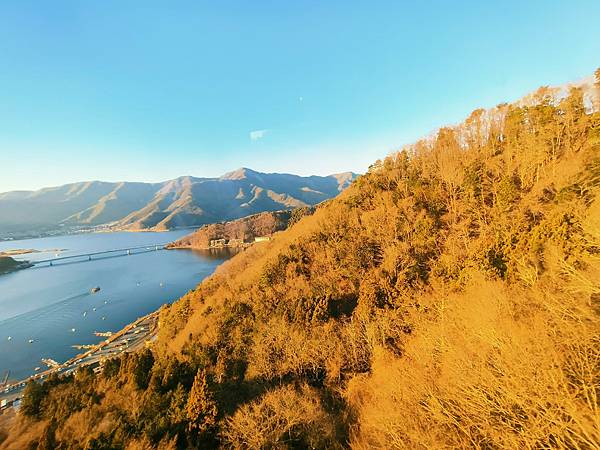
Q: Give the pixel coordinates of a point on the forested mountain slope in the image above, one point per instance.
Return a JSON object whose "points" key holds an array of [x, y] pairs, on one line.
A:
{"points": [[182, 202], [244, 230], [449, 298]]}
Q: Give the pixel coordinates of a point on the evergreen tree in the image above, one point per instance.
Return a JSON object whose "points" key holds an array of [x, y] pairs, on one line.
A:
{"points": [[32, 398], [201, 408], [143, 369]]}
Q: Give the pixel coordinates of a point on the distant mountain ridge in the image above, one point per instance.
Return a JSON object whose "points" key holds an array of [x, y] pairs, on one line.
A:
{"points": [[181, 202]]}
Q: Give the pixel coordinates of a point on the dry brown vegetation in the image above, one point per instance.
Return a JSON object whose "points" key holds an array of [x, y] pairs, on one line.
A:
{"points": [[448, 299], [245, 229]]}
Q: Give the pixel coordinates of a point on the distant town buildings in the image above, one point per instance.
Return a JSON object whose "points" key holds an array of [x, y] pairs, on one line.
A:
{"points": [[235, 242], [216, 243]]}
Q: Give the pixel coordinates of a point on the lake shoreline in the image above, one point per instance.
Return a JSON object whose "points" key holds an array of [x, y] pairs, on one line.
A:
{"points": [[53, 308], [99, 230], [10, 265]]}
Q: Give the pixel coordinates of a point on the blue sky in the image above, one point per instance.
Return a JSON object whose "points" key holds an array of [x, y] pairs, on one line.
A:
{"points": [[148, 91]]}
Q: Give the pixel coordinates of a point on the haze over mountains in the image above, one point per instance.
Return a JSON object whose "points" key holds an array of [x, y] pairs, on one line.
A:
{"points": [[181, 202]]}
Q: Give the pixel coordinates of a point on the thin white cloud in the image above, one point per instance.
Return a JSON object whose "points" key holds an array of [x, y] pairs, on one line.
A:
{"points": [[255, 135]]}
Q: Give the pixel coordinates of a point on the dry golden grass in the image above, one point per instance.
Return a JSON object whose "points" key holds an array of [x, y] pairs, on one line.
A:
{"points": [[495, 367], [21, 433]]}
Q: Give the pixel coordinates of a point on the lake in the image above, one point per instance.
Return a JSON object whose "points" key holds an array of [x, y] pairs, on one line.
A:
{"points": [[54, 307]]}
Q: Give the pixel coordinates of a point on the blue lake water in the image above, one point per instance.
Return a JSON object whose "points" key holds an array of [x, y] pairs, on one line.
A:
{"points": [[45, 304]]}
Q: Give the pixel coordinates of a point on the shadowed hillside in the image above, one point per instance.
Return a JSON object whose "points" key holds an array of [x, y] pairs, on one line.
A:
{"points": [[183, 202], [449, 298]]}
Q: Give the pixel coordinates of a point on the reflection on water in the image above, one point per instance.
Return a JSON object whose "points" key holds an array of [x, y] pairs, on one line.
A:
{"points": [[218, 254], [46, 310]]}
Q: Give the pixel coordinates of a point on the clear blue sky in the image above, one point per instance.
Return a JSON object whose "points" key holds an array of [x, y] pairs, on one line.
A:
{"points": [[125, 90]]}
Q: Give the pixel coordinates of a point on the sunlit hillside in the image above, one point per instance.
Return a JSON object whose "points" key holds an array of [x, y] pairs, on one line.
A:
{"points": [[449, 298], [241, 232]]}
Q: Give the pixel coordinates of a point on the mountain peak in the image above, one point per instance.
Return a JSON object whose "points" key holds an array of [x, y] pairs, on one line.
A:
{"points": [[239, 174]]}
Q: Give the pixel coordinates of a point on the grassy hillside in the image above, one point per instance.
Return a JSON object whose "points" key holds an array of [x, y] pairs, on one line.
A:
{"points": [[448, 299]]}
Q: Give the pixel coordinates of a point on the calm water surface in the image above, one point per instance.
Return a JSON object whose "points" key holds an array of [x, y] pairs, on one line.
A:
{"points": [[53, 306]]}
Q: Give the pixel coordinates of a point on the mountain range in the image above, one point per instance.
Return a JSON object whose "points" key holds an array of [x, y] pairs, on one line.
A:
{"points": [[182, 202]]}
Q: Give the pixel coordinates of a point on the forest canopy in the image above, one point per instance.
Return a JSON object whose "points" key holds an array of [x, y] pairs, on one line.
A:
{"points": [[449, 298]]}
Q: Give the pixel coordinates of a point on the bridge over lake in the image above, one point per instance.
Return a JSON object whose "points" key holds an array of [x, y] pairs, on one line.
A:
{"points": [[98, 255]]}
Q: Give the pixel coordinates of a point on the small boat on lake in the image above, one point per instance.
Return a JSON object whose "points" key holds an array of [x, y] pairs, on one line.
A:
{"points": [[95, 289]]}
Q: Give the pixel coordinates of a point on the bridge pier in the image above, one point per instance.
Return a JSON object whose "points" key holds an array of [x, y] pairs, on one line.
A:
{"points": [[89, 257]]}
